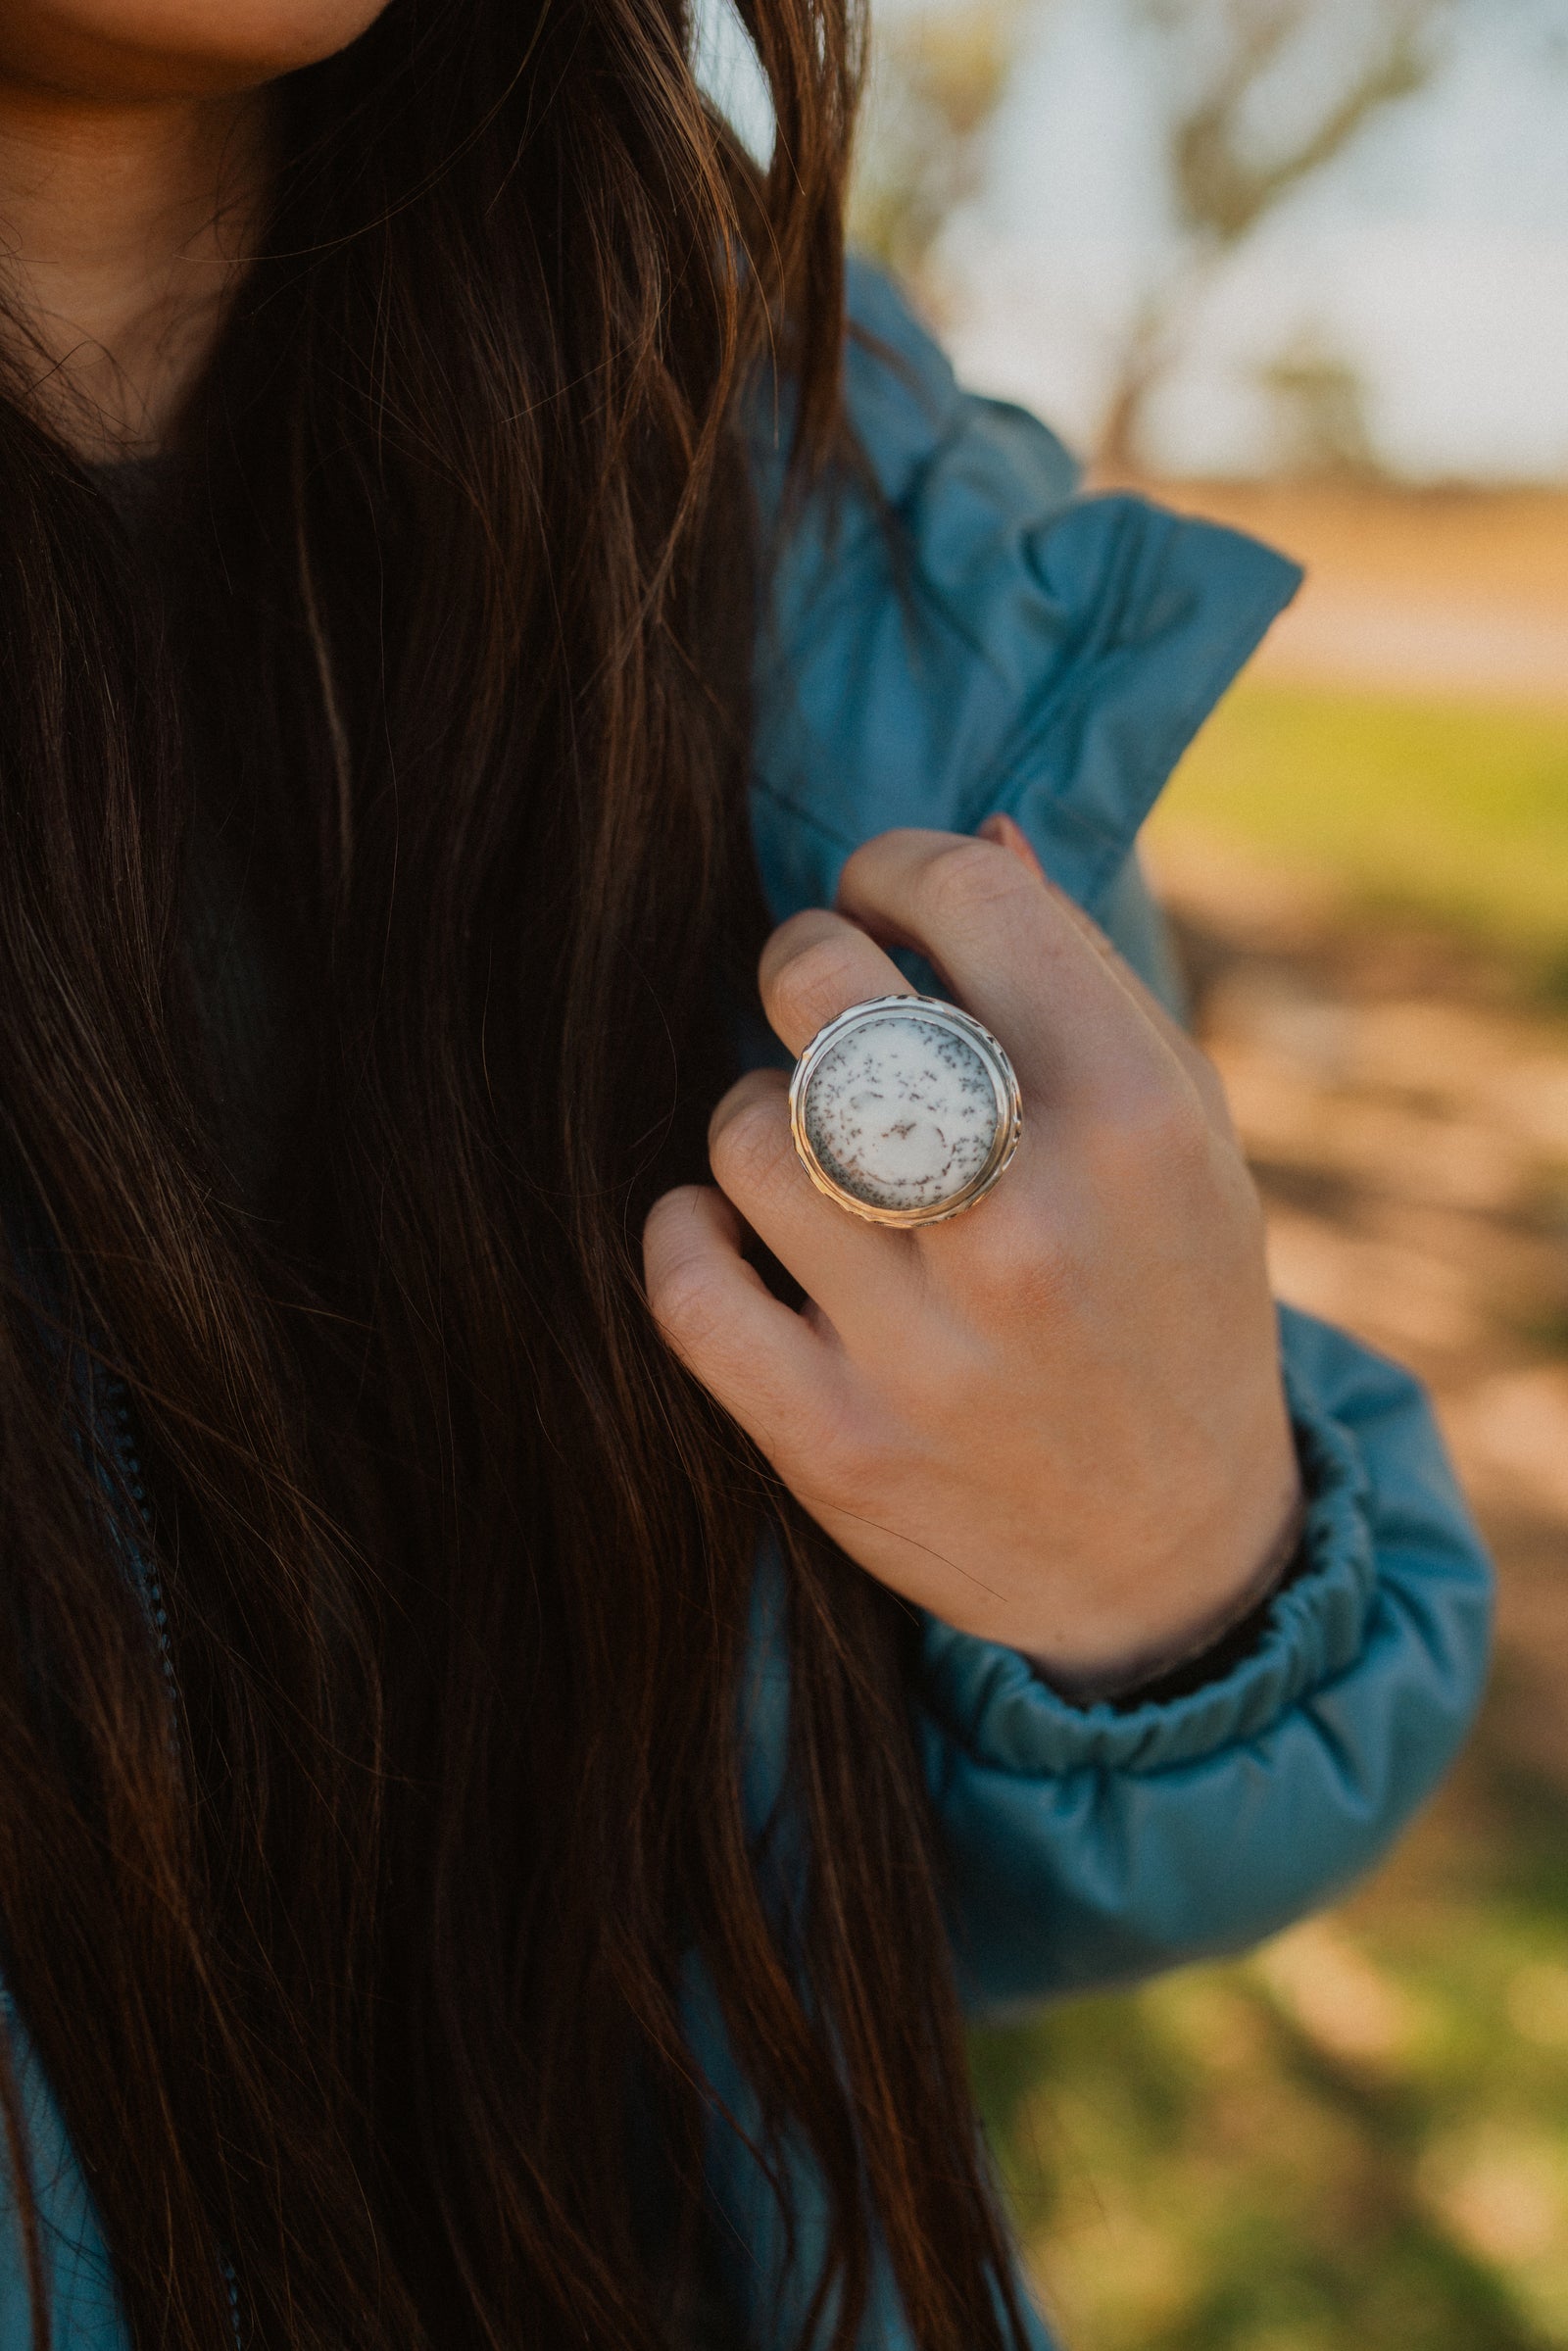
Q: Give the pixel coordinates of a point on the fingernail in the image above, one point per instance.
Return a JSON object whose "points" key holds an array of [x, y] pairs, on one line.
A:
{"points": [[1006, 834]]}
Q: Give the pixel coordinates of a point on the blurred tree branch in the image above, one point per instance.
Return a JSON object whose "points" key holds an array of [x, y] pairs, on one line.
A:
{"points": [[1248, 101], [936, 78], [1223, 187], [1322, 408], [1229, 169]]}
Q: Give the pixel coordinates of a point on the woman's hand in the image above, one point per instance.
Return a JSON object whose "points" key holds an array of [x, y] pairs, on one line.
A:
{"points": [[1055, 1421]]}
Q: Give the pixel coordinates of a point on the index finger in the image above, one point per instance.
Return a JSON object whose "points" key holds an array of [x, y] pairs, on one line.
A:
{"points": [[1009, 834], [1012, 954]]}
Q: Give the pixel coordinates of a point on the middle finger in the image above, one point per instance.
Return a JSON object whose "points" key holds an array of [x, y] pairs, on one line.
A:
{"points": [[1015, 958], [813, 968]]}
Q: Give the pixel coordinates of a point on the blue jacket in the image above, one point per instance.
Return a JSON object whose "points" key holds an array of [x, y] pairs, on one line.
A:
{"points": [[1015, 646]]}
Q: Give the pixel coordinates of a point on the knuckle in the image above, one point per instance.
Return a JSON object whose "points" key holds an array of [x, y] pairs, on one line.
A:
{"points": [[687, 1303], [846, 1463], [671, 1211], [863, 861], [968, 879], [752, 1149], [1041, 1285], [1158, 1130], [820, 980], [899, 845], [1020, 1274]]}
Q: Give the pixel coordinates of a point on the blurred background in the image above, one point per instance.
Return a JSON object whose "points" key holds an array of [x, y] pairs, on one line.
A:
{"points": [[1303, 265]]}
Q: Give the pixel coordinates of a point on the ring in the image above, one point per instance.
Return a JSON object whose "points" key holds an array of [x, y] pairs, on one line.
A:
{"points": [[905, 1111]]}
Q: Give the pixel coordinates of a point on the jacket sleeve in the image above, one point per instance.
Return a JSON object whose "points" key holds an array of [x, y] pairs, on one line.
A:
{"points": [[957, 631], [953, 629], [1093, 1845], [84, 2306]]}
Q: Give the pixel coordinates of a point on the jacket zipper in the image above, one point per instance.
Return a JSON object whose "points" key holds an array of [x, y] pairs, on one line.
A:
{"points": [[128, 1461], [144, 1568]]}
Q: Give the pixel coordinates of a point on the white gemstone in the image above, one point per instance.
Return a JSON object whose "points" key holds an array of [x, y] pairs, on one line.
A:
{"points": [[901, 1113]]}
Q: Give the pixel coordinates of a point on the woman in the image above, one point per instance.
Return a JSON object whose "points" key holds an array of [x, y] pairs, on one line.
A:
{"points": [[505, 1792]]}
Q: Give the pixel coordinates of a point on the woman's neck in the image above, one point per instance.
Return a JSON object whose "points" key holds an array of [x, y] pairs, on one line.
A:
{"points": [[124, 228]]}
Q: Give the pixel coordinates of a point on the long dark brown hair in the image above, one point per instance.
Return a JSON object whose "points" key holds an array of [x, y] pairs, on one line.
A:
{"points": [[370, 1775]]}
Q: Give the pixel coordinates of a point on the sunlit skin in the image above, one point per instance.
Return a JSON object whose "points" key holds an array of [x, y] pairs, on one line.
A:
{"points": [[1056, 1421]]}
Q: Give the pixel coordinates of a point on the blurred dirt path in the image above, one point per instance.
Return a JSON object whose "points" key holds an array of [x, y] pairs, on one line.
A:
{"points": [[1408, 1124], [1456, 593]]}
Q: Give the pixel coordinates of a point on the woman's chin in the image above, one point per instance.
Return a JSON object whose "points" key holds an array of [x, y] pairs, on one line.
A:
{"points": [[103, 50]]}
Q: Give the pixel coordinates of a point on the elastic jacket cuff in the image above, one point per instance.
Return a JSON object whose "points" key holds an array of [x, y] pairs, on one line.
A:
{"points": [[991, 1701]]}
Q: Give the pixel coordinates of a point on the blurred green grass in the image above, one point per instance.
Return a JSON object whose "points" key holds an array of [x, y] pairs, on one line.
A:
{"points": [[1447, 810], [1357, 2139]]}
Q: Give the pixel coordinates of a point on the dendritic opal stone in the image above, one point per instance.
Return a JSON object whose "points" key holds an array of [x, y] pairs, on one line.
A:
{"points": [[901, 1113]]}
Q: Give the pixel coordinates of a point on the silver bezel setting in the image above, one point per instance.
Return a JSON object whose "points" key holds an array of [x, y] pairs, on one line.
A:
{"points": [[993, 1058]]}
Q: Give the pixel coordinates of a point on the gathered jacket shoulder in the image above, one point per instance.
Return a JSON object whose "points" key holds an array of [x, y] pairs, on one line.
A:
{"points": [[952, 628]]}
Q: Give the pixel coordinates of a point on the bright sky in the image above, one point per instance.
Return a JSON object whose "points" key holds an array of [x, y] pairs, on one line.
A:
{"points": [[1434, 257]]}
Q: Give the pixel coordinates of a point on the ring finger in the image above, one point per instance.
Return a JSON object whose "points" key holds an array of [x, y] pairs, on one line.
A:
{"points": [[842, 1264]]}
